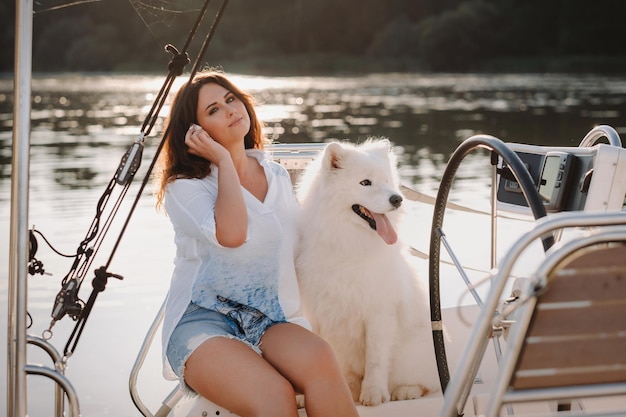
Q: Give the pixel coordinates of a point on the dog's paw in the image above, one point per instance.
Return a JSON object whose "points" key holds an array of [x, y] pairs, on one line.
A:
{"points": [[408, 392], [374, 395]]}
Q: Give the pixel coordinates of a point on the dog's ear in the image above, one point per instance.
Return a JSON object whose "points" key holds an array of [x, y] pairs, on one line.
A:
{"points": [[333, 155]]}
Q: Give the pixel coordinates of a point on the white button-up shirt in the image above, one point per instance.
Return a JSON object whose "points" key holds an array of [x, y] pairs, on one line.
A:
{"points": [[260, 273]]}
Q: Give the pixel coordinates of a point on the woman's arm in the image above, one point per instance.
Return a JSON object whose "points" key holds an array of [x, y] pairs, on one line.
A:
{"points": [[231, 214]]}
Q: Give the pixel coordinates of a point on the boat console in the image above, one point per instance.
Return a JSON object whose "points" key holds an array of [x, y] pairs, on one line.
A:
{"points": [[583, 178]]}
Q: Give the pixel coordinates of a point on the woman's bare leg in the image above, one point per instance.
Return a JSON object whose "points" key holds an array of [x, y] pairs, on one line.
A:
{"points": [[309, 363], [232, 375]]}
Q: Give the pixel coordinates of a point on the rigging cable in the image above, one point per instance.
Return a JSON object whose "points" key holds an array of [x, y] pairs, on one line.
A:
{"points": [[175, 68], [67, 301]]}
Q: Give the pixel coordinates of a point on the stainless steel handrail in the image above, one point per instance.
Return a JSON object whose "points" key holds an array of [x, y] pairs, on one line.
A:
{"points": [[172, 399], [57, 359], [479, 337], [17, 339], [500, 393], [18, 245], [61, 381], [599, 132]]}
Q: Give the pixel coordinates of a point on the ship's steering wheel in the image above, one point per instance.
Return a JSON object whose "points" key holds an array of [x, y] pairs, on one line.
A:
{"points": [[529, 189]]}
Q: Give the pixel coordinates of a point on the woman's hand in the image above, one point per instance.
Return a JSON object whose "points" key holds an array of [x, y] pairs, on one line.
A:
{"points": [[231, 216], [201, 144]]}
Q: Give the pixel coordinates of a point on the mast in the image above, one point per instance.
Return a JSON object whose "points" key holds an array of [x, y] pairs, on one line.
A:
{"points": [[18, 244]]}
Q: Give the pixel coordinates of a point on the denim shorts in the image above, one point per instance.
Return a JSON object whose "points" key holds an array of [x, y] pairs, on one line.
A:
{"points": [[198, 324]]}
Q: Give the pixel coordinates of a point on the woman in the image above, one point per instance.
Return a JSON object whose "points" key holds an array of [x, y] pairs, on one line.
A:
{"points": [[233, 330]]}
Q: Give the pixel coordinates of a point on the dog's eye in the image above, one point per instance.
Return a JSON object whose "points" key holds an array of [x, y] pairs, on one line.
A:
{"points": [[366, 182]]}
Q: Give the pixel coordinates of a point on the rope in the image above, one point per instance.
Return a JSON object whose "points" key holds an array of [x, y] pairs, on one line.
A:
{"points": [[67, 301]]}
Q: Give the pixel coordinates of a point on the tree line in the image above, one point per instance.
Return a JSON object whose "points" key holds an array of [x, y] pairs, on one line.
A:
{"points": [[328, 36]]}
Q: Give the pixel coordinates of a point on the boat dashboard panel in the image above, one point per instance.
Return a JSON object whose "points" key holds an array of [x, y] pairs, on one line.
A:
{"points": [[567, 178]]}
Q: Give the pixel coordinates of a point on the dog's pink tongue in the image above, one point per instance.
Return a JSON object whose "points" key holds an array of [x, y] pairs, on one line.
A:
{"points": [[385, 229]]}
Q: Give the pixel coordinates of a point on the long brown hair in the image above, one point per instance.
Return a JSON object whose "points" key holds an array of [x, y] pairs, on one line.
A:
{"points": [[175, 161]]}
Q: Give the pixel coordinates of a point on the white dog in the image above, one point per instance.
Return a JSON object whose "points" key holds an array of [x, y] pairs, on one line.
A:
{"points": [[358, 288]]}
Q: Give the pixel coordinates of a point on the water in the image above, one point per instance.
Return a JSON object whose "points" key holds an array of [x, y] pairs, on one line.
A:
{"points": [[81, 126]]}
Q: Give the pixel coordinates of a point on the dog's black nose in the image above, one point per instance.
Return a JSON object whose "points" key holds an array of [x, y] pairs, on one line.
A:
{"points": [[395, 200]]}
